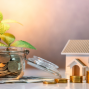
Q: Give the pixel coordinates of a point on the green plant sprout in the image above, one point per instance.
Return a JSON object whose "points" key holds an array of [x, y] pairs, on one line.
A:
{"points": [[9, 38]]}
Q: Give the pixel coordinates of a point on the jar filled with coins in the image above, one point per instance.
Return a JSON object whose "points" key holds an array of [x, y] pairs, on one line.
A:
{"points": [[12, 62]]}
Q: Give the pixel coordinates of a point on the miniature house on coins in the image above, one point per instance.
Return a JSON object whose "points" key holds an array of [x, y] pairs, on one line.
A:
{"points": [[77, 57]]}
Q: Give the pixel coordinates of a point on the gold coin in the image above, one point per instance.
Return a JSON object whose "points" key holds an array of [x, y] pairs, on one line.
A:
{"points": [[4, 58], [76, 79], [12, 66], [48, 82], [3, 68], [2, 72], [13, 74], [87, 77], [56, 80], [2, 75], [61, 80], [70, 78], [2, 64]]}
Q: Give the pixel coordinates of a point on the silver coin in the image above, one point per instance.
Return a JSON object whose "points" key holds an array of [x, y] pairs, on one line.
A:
{"points": [[12, 66]]}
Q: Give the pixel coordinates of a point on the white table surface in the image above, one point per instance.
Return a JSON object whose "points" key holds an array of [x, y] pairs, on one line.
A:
{"points": [[31, 72]]}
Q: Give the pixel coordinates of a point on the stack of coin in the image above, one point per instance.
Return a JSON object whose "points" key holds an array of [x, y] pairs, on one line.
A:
{"points": [[61, 80], [87, 77], [76, 79]]}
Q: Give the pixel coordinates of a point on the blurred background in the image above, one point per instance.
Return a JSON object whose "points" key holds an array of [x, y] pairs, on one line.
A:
{"points": [[48, 24]]}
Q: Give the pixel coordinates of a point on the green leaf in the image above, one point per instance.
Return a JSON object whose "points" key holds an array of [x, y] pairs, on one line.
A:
{"points": [[8, 38], [1, 16], [21, 43], [10, 21], [3, 28], [1, 44]]}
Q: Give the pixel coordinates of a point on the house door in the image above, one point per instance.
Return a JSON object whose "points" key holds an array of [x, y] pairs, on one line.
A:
{"points": [[76, 70]]}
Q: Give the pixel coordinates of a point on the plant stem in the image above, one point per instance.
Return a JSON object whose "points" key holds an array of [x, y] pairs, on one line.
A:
{"points": [[8, 52]]}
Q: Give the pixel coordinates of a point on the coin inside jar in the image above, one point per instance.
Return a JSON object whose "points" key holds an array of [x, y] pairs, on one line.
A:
{"points": [[12, 66], [4, 58], [15, 57], [3, 71], [3, 68], [2, 65]]}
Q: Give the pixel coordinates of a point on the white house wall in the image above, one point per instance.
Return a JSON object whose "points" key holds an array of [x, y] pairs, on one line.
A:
{"points": [[69, 59]]}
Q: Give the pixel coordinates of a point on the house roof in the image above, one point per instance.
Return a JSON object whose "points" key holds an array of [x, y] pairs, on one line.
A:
{"points": [[76, 47]]}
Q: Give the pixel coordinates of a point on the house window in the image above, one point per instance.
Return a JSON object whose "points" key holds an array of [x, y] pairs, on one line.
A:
{"points": [[75, 70]]}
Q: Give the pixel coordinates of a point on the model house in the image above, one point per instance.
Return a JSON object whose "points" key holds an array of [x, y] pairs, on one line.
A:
{"points": [[77, 57]]}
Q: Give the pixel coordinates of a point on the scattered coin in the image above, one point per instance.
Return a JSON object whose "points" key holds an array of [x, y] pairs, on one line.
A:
{"points": [[12, 66], [48, 82], [56, 80]]}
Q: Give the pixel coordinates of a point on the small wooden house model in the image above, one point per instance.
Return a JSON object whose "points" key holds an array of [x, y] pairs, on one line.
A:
{"points": [[77, 57]]}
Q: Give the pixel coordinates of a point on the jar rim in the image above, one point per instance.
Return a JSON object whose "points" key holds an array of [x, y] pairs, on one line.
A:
{"points": [[11, 51]]}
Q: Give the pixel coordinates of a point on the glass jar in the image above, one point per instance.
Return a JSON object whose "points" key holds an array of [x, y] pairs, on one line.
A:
{"points": [[12, 62]]}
